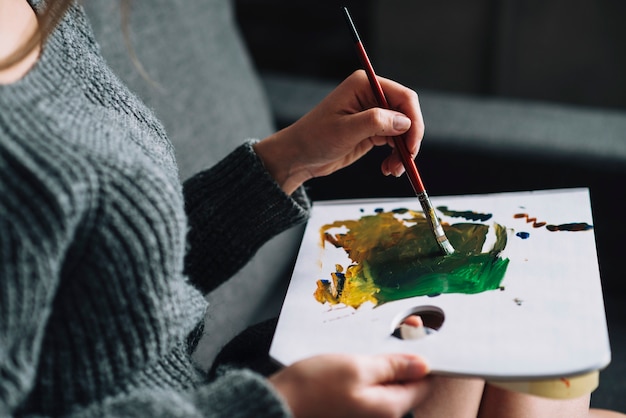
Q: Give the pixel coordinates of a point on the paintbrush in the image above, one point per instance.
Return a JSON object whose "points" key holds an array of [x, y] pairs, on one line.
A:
{"points": [[403, 151]]}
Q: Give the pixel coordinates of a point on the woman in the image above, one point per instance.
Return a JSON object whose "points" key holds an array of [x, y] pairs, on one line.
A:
{"points": [[104, 256]]}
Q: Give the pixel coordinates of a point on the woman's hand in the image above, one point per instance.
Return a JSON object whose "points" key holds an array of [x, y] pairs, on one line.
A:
{"points": [[387, 385], [340, 130]]}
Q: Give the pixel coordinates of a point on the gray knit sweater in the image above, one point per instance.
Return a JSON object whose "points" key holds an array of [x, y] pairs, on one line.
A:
{"points": [[104, 256]]}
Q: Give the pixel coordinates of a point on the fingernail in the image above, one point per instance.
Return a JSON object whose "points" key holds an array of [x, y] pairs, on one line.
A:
{"points": [[401, 123], [419, 365], [421, 368]]}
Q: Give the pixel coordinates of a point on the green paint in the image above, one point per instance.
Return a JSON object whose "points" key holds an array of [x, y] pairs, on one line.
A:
{"points": [[398, 258]]}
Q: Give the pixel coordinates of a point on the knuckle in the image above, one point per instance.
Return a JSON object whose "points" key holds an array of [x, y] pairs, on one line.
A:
{"points": [[377, 119], [412, 94], [359, 76]]}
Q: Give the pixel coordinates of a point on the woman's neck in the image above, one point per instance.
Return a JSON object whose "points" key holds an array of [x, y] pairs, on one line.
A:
{"points": [[18, 22]]}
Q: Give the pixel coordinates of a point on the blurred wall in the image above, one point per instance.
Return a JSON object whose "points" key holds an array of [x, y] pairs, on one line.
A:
{"points": [[567, 51]]}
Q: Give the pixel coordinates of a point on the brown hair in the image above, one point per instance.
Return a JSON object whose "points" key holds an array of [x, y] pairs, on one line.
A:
{"points": [[48, 19]]}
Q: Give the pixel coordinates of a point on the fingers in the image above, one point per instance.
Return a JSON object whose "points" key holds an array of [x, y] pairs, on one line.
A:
{"points": [[380, 126], [390, 368], [399, 382], [401, 99], [343, 385], [377, 124], [392, 165]]}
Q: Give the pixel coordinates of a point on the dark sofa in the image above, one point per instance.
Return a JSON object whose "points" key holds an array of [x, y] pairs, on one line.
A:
{"points": [[515, 95]]}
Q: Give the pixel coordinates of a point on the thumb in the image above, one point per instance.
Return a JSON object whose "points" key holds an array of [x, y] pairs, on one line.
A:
{"points": [[395, 368], [378, 122], [401, 123], [401, 382]]}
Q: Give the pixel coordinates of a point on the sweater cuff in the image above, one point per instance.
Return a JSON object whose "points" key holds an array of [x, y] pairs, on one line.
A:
{"points": [[241, 393], [233, 209]]}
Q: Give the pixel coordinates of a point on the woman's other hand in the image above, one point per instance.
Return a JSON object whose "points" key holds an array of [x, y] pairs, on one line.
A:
{"points": [[388, 385]]}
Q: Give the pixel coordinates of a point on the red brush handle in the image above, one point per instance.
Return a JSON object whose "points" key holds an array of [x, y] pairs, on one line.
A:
{"points": [[405, 155]]}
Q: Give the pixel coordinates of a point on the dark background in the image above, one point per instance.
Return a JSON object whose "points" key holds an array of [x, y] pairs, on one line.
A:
{"points": [[566, 51]]}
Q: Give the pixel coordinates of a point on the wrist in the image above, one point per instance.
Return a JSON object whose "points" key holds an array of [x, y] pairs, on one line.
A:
{"points": [[280, 161]]}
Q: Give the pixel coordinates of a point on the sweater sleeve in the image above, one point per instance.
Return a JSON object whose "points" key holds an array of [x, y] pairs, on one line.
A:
{"points": [[233, 209], [34, 231], [237, 394]]}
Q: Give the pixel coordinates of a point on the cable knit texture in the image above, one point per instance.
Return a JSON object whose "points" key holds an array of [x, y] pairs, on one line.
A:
{"points": [[98, 292]]}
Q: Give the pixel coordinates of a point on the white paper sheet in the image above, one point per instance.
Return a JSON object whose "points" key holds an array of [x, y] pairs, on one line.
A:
{"points": [[547, 321]]}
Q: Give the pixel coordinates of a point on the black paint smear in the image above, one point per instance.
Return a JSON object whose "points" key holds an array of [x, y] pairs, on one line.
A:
{"points": [[466, 214]]}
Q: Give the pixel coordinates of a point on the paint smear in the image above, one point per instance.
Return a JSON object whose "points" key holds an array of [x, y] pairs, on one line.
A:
{"points": [[523, 235], [397, 257], [466, 214], [573, 227], [576, 226], [529, 220]]}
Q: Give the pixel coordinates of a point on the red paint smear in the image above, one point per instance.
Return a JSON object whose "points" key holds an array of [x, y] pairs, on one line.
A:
{"points": [[566, 381], [529, 220]]}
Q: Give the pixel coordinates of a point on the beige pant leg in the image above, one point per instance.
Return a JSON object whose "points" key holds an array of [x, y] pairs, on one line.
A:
{"points": [[498, 402]]}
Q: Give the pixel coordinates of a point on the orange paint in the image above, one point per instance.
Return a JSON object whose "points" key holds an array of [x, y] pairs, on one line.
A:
{"points": [[529, 220]]}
